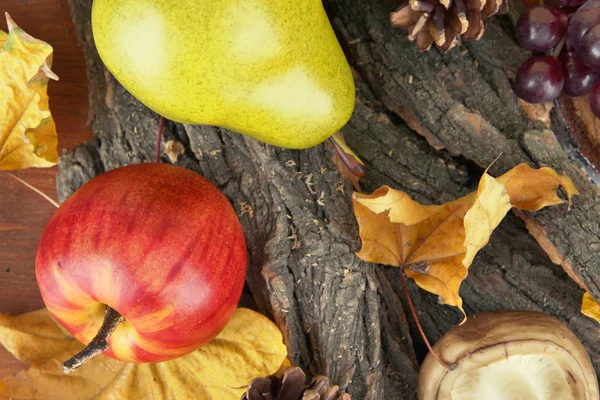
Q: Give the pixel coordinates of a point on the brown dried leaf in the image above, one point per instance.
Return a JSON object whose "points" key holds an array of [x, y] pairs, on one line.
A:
{"points": [[532, 189], [346, 161], [436, 244]]}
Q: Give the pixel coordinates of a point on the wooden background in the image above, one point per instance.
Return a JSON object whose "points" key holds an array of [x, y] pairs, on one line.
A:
{"points": [[23, 213]]}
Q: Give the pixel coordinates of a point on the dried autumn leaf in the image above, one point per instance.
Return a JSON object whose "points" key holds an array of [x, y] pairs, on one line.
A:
{"points": [[436, 244], [27, 131], [249, 346], [346, 161], [590, 307], [533, 189]]}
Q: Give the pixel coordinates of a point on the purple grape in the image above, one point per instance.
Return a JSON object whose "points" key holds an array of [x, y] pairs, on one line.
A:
{"points": [[541, 28], [579, 79], [539, 80], [595, 100], [583, 20], [590, 48]]}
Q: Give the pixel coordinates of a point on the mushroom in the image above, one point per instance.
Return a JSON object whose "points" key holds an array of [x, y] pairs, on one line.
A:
{"points": [[509, 355]]}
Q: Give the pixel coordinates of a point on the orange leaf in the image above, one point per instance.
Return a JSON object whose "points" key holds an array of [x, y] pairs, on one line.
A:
{"points": [[590, 307], [436, 244], [532, 189]]}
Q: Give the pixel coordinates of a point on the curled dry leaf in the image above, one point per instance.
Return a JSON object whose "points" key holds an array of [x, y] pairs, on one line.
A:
{"points": [[346, 161], [27, 131], [590, 307], [436, 244], [533, 189], [249, 346]]}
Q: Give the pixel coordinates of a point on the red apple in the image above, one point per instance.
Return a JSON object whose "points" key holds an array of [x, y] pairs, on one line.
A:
{"points": [[159, 244]]}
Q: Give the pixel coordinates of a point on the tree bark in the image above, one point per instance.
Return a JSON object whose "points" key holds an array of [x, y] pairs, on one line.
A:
{"points": [[430, 136]]}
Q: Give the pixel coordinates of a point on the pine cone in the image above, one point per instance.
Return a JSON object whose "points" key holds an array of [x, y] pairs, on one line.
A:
{"points": [[291, 386], [445, 21]]}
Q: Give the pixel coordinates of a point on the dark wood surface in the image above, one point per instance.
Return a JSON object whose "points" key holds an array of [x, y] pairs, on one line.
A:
{"points": [[23, 213]]}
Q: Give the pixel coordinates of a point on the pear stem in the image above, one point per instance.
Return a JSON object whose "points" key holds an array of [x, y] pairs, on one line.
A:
{"points": [[99, 344], [414, 314], [161, 124]]}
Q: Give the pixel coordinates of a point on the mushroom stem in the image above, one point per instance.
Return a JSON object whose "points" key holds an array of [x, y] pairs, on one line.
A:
{"points": [[414, 314], [99, 344]]}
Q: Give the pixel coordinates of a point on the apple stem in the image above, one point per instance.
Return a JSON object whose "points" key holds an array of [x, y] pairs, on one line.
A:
{"points": [[99, 344], [414, 314], [161, 124]]}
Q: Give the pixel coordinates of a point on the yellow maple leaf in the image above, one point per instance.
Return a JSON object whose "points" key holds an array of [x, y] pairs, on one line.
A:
{"points": [[436, 244], [27, 131], [589, 307], [249, 346]]}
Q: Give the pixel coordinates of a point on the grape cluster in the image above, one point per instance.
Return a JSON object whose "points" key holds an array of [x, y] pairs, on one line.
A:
{"points": [[566, 51]]}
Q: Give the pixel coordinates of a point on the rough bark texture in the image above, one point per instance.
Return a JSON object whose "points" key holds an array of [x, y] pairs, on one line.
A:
{"points": [[342, 317]]}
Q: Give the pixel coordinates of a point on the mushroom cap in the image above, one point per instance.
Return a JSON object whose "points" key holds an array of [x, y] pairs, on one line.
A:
{"points": [[510, 340]]}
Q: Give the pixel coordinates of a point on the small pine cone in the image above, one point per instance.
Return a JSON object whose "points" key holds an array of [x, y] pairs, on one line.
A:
{"points": [[445, 22], [291, 386]]}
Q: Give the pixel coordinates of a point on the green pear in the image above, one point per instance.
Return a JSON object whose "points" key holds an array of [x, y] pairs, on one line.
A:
{"points": [[270, 69]]}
